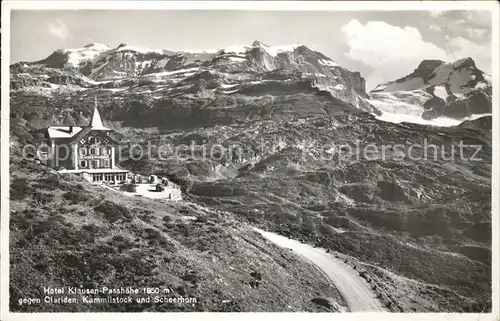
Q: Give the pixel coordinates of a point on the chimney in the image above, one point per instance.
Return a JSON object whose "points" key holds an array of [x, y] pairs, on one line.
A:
{"points": [[70, 129]]}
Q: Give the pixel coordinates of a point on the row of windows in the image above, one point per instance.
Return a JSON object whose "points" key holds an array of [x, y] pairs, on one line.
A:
{"points": [[99, 163], [108, 177], [95, 151]]}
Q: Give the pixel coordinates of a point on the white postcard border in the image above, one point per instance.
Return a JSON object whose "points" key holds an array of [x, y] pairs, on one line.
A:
{"points": [[7, 6]]}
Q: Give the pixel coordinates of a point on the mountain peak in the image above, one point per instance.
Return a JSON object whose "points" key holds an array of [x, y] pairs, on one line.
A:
{"points": [[258, 43], [428, 65], [96, 45], [464, 63]]}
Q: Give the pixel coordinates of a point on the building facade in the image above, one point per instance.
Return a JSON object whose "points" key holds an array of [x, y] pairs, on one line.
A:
{"points": [[87, 151]]}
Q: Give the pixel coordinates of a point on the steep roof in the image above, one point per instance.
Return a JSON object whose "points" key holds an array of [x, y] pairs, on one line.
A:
{"points": [[63, 131], [96, 122], [77, 132]]}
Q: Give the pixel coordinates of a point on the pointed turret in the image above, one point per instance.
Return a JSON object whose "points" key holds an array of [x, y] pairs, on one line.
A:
{"points": [[96, 122], [96, 119]]}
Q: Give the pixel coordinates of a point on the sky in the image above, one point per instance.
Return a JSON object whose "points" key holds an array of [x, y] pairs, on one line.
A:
{"points": [[381, 45]]}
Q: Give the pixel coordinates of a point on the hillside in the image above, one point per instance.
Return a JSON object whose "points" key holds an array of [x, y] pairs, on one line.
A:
{"points": [[66, 232]]}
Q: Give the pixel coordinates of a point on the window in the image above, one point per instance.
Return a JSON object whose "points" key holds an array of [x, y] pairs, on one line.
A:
{"points": [[93, 140], [106, 150], [92, 151], [109, 177], [106, 163], [97, 177], [83, 151], [83, 163], [97, 151]]}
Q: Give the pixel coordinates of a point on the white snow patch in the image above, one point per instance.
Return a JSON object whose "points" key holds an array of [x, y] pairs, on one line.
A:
{"points": [[440, 91], [487, 78], [198, 51], [161, 88], [410, 118], [481, 85], [91, 81], [339, 87], [230, 91], [236, 49], [272, 50], [417, 119], [115, 89], [79, 55], [476, 116], [317, 75], [97, 46], [142, 64], [187, 74], [275, 50], [330, 63], [175, 72], [140, 50], [237, 59], [228, 86]]}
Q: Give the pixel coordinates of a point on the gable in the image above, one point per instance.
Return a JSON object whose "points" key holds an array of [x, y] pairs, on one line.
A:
{"points": [[63, 131], [94, 137]]}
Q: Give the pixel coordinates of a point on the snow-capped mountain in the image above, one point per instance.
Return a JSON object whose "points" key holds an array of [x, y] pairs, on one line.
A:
{"points": [[436, 92]]}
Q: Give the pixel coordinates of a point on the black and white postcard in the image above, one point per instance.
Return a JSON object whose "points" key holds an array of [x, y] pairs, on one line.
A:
{"points": [[190, 159]]}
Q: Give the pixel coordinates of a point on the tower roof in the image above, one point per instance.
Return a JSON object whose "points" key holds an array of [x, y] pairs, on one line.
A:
{"points": [[96, 122], [96, 119]]}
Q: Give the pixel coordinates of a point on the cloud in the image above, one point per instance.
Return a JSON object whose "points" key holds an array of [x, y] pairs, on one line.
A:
{"points": [[391, 51], [476, 32], [435, 28], [460, 47], [436, 13], [59, 29], [458, 22], [480, 17]]}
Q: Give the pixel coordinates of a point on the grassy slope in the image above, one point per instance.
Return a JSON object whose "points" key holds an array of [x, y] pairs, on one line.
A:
{"points": [[429, 221], [70, 233]]}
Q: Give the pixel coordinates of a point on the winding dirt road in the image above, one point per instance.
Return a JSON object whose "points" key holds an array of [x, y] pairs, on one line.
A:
{"points": [[354, 289]]}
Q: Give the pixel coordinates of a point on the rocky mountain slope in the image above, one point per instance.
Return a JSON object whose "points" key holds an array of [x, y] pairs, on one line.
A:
{"points": [[276, 136], [448, 91], [258, 65]]}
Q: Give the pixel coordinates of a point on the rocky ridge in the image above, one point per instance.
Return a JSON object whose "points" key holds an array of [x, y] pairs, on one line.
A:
{"points": [[437, 89]]}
